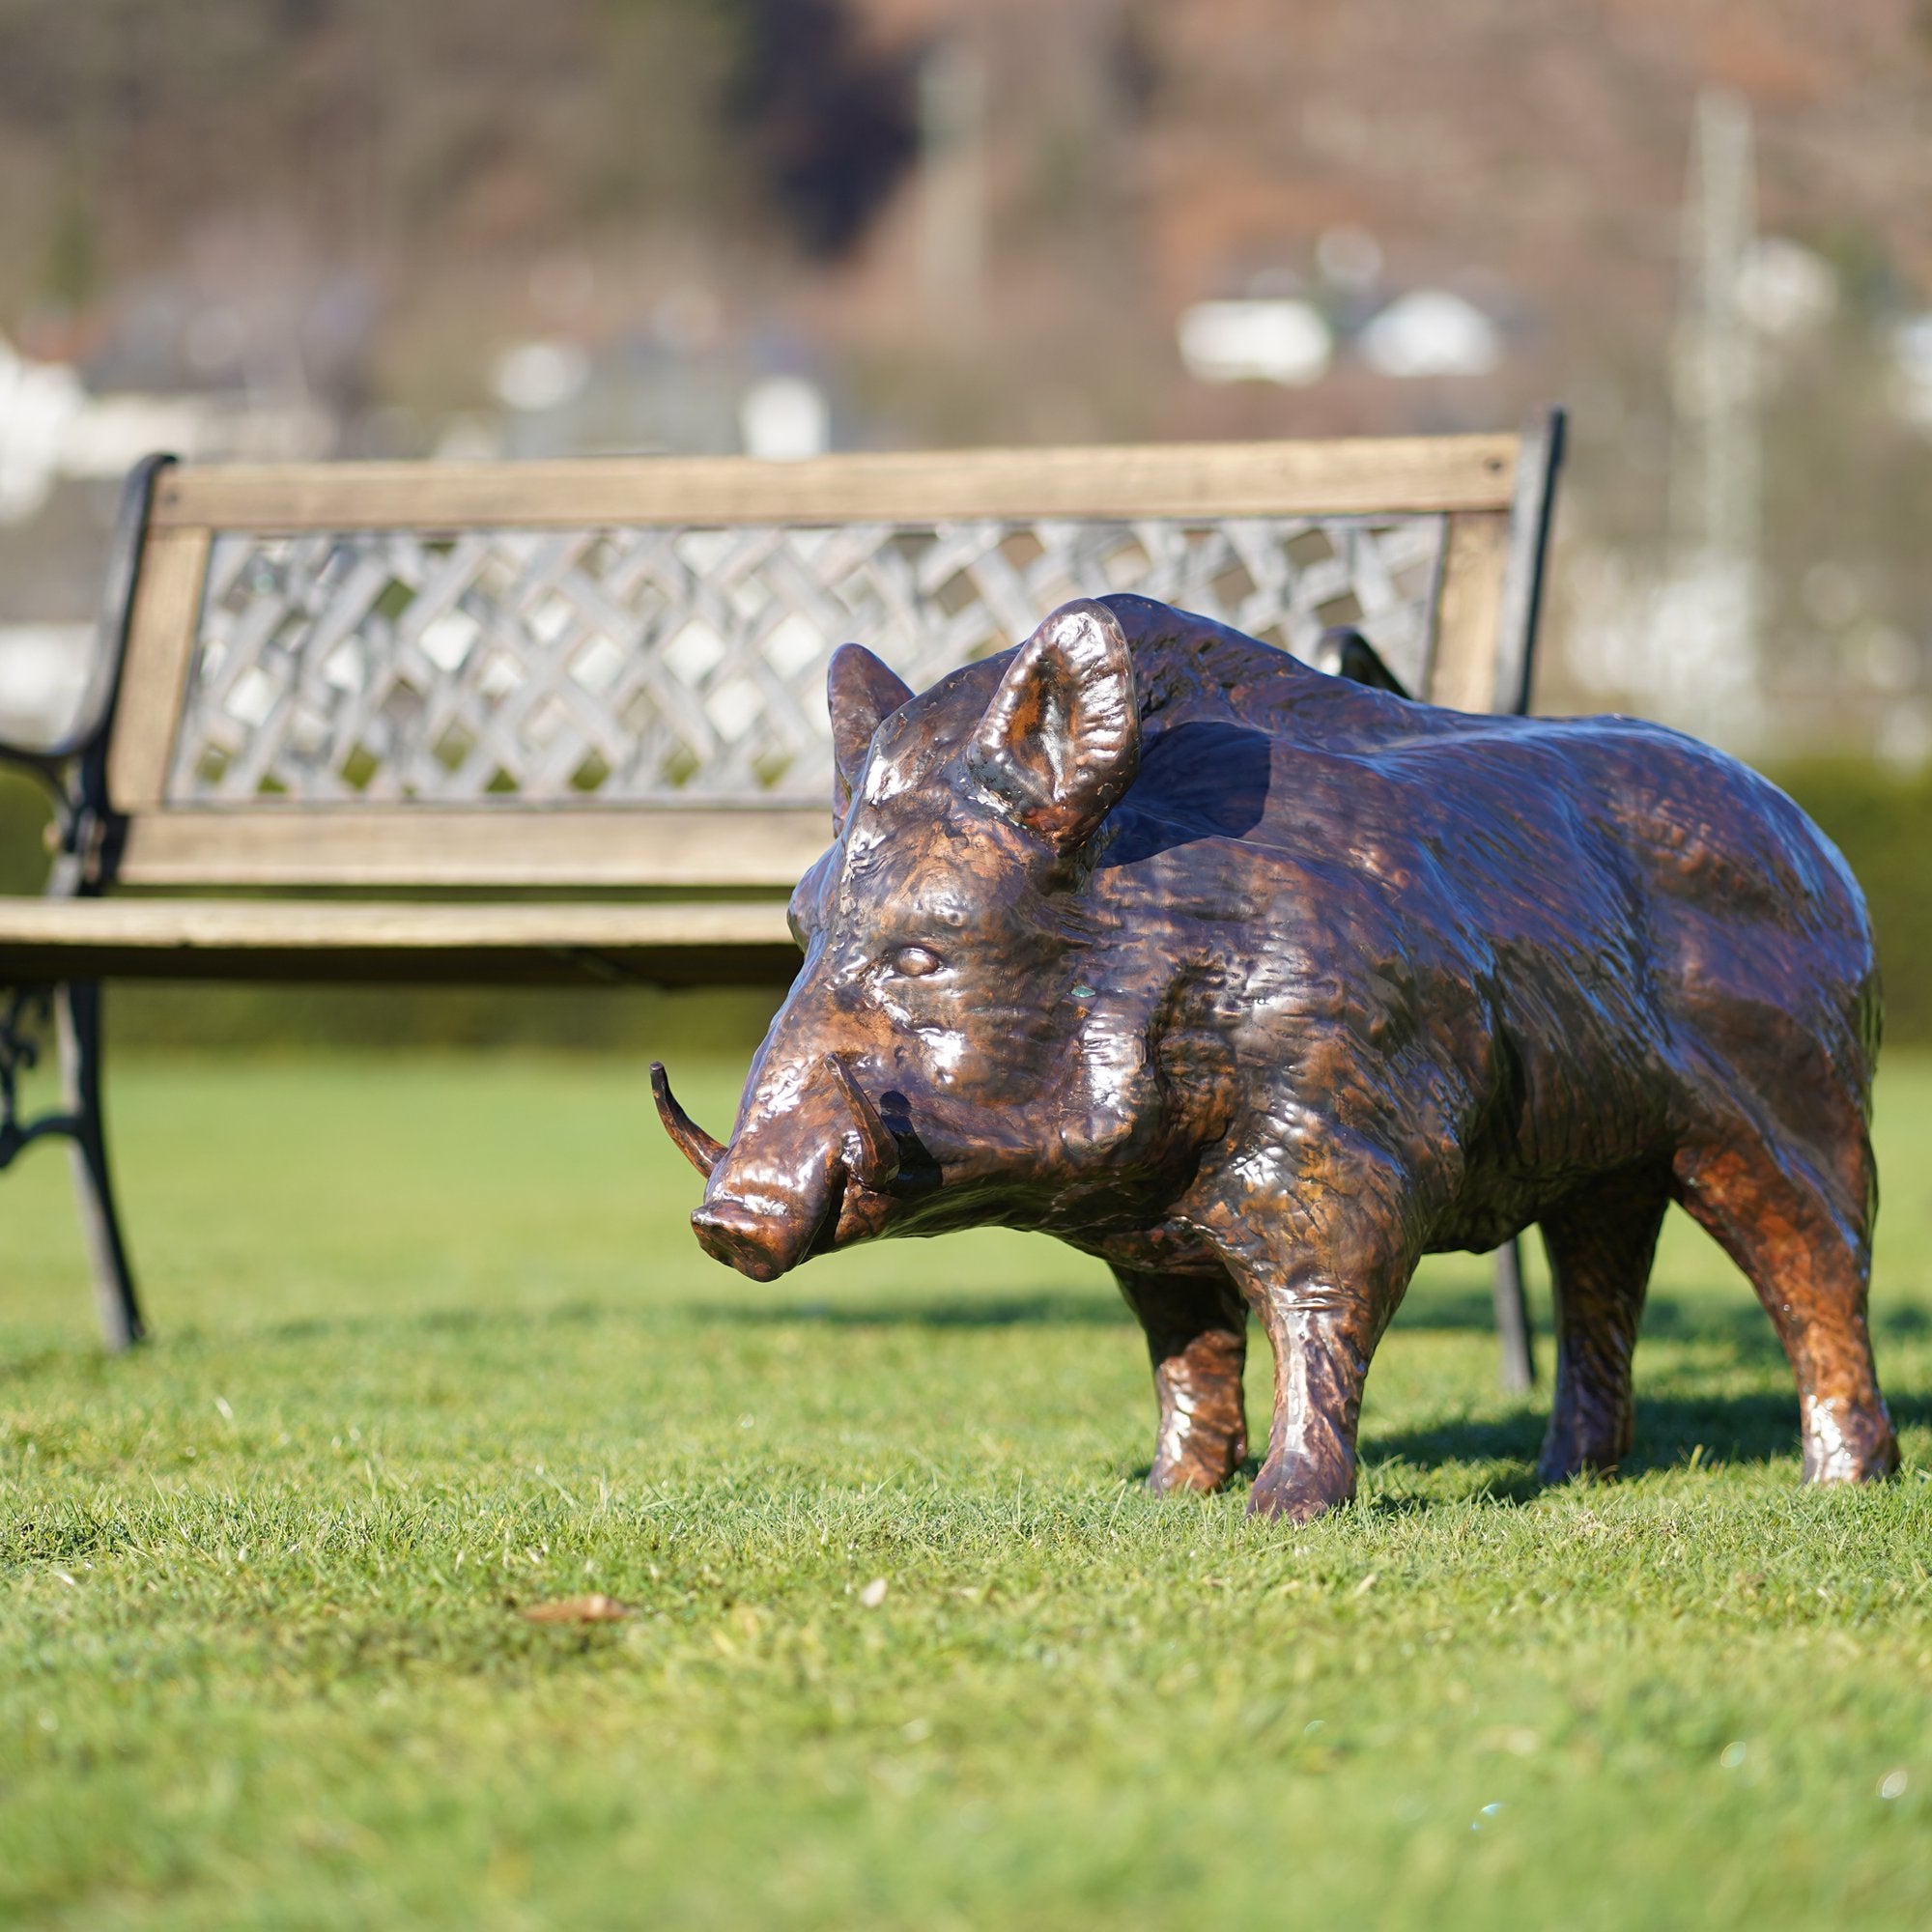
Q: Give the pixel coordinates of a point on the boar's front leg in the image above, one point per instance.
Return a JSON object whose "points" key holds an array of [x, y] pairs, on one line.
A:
{"points": [[1323, 1269], [1322, 1336], [1197, 1335]]}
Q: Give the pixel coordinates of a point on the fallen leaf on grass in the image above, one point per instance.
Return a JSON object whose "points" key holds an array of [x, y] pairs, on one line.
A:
{"points": [[595, 1609]]}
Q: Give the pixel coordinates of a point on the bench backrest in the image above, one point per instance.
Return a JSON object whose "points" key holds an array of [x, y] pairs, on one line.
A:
{"points": [[611, 672]]}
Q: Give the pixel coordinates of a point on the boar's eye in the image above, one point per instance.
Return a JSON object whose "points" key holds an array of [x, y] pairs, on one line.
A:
{"points": [[915, 962]]}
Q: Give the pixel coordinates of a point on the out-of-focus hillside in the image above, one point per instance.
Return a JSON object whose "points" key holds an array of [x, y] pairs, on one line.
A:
{"points": [[980, 223]]}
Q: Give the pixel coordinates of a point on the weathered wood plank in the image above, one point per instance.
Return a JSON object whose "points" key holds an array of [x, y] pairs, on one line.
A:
{"points": [[405, 924], [483, 846], [1468, 612], [698, 942], [160, 642], [1362, 475]]}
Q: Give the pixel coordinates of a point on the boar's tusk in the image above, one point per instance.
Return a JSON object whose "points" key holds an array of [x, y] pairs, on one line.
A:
{"points": [[876, 1164], [696, 1145]]}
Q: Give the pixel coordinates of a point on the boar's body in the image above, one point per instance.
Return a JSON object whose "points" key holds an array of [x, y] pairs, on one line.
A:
{"points": [[1260, 983]]}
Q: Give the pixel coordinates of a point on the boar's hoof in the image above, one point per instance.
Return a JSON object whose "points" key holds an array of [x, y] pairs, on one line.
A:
{"points": [[1207, 1463], [1556, 1466], [1844, 1443], [1584, 1446], [1299, 1496], [1198, 1475], [756, 1244]]}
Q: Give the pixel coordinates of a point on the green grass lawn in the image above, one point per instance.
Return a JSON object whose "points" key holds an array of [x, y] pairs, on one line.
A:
{"points": [[433, 1344]]}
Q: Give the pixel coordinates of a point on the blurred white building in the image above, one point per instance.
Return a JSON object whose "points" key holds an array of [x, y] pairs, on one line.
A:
{"points": [[1256, 341], [1432, 332]]}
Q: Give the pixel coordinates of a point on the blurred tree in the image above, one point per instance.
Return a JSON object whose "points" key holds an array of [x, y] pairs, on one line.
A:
{"points": [[834, 124]]}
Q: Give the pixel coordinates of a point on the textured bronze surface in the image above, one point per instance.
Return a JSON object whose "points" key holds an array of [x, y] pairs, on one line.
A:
{"points": [[1260, 985]]}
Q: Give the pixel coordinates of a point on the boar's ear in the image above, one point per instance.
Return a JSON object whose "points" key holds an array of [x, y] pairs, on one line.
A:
{"points": [[861, 692], [1061, 741]]}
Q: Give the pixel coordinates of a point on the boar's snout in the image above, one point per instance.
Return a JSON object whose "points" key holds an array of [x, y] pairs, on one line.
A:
{"points": [[754, 1240], [816, 1173]]}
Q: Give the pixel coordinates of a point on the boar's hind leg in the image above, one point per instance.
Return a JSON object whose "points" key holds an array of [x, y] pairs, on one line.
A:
{"points": [[1601, 1242], [1197, 1334], [1808, 1256]]}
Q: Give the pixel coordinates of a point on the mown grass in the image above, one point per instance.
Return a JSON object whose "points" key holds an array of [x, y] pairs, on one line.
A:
{"points": [[434, 1343]]}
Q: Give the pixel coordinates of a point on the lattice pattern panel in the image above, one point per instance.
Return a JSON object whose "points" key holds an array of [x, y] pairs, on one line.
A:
{"points": [[640, 665]]}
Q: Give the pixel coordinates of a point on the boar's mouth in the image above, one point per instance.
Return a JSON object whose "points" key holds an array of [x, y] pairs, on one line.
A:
{"points": [[839, 1190], [871, 1150]]}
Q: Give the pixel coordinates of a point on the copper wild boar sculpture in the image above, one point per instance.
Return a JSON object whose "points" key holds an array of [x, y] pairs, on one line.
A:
{"points": [[1259, 985]]}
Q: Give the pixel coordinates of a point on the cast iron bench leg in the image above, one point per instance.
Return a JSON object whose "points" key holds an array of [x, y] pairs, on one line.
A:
{"points": [[78, 1019], [1519, 1362]]}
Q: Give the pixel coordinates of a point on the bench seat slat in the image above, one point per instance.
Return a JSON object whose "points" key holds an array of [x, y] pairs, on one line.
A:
{"points": [[664, 944], [482, 846]]}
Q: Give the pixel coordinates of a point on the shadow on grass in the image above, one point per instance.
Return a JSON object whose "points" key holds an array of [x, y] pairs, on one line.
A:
{"points": [[1761, 1427], [1666, 1317], [1736, 1320], [1516, 1485], [425, 1321], [1452, 1309], [1744, 1329], [1046, 1308], [30, 1363], [1755, 1428]]}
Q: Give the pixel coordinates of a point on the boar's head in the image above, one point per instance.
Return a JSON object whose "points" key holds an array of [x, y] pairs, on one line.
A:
{"points": [[952, 1052]]}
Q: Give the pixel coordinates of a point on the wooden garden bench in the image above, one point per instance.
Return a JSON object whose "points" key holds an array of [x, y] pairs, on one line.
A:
{"points": [[565, 721]]}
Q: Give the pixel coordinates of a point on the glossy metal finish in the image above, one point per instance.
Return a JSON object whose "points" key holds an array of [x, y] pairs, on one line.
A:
{"points": [[1259, 985]]}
